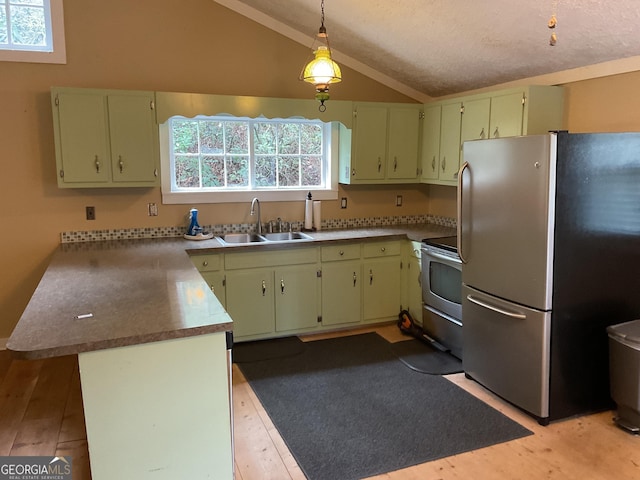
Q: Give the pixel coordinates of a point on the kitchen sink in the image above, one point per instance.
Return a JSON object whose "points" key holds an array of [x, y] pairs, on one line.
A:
{"points": [[241, 238], [287, 236]]}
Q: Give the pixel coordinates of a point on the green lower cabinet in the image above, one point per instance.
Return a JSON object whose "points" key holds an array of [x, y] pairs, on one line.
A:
{"points": [[250, 301], [341, 292], [414, 289], [296, 297], [217, 284], [381, 289]]}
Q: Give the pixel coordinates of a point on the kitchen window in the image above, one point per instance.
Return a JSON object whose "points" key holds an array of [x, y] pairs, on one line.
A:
{"points": [[211, 159], [32, 31]]}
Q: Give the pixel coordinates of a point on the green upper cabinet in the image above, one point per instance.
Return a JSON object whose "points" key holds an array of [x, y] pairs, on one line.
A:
{"points": [[450, 125], [369, 142], [528, 110], [105, 138], [385, 144], [404, 137]]}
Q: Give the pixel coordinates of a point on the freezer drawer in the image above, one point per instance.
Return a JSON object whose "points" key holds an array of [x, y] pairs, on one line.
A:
{"points": [[506, 349]]}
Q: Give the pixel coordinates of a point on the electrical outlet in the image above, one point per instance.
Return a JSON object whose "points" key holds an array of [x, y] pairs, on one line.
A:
{"points": [[91, 213], [343, 202], [152, 208], [398, 200]]}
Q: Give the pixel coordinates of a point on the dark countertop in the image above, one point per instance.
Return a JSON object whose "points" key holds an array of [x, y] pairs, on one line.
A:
{"points": [[99, 295]]}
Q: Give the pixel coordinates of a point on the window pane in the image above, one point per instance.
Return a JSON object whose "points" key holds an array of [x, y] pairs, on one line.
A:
{"points": [[185, 136], [237, 171], [28, 26], [264, 138], [211, 137], [311, 139], [265, 171], [187, 171], [288, 138], [4, 37], [237, 137], [213, 171], [311, 171], [288, 171]]}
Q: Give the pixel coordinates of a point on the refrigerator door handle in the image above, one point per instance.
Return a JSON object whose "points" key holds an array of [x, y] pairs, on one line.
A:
{"points": [[464, 166], [502, 311]]}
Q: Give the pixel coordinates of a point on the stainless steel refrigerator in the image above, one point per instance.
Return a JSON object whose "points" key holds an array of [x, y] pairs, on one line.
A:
{"points": [[549, 236]]}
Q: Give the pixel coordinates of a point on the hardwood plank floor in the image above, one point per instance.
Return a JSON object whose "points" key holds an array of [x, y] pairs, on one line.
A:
{"points": [[41, 414]]}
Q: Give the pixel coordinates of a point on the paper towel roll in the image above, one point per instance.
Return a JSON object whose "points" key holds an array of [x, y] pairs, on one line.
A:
{"points": [[317, 214], [308, 214]]}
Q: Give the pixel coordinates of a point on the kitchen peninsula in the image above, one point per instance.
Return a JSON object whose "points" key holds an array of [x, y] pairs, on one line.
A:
{"points": [[151, 340]]}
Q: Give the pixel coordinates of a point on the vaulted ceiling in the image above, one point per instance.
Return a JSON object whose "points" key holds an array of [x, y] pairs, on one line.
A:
{"points": [[433, 48]]}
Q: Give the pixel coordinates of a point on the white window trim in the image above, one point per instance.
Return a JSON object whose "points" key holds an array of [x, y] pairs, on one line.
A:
{"points": [[59, 54], [169, 197]]}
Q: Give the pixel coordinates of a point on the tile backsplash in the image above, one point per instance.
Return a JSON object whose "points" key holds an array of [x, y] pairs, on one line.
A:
{"points": [[171, 232]]}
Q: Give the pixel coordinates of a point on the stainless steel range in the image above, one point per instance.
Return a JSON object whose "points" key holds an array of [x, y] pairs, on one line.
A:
{"points": [[442, 293]]}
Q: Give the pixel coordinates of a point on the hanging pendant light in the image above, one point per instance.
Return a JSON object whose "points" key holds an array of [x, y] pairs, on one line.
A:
{"points": [[322, 70]]}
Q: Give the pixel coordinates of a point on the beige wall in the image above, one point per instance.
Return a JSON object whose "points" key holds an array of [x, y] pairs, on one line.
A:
{"points": [[188, 46]]}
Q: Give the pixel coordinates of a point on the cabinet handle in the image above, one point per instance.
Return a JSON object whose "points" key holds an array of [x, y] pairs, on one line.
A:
{"points": [[264, 288], [383, 249], [120, 163], [379, 164], [355, 279], [444, 163], [370, 277], [213, 290], [97, 164], [419, 279], [496, 133], [482, 134], [205, 263], [155, 172], [395, 163], [341, 252], [433, 164], [282, 286]]}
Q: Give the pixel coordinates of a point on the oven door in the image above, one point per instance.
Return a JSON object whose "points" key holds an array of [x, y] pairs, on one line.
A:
{"points": [[442, 281]]}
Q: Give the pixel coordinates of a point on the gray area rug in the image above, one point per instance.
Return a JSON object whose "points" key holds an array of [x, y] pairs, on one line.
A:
{"points": [[424, 358], [348, 409]]}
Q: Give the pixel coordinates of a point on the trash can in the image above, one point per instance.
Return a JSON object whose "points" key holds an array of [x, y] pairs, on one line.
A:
{"points": [[624, 373]]}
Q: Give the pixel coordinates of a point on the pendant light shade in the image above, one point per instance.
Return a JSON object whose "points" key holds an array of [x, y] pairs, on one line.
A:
{"points": [[321, 71]]}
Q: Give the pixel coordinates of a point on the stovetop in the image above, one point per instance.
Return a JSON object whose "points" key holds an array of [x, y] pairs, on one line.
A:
{"points": [[447, 243]]}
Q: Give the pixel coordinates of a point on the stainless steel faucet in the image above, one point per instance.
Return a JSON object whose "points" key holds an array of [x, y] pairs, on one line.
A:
{"points": [[255, 202]]}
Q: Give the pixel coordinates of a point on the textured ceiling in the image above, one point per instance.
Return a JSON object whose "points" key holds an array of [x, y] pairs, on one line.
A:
{"points": [[442, 47]]}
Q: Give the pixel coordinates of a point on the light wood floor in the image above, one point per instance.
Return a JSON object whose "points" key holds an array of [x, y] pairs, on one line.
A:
{"points": [[41, 414]]}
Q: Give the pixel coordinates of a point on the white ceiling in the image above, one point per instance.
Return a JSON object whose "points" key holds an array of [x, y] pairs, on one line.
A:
{"points": [[431, 48]]}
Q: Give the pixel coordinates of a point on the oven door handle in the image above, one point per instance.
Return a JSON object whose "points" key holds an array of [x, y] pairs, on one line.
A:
{"points": [[431, 253], [502, 311]]}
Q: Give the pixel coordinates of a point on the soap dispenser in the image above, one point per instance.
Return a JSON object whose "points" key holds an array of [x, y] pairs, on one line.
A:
{"points": [[195, 231]]}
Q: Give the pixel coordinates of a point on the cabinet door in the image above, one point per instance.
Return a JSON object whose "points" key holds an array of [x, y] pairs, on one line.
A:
{"points": [[133, 139], [431, 142], [475, 121], [80, 129], [381, 290], [450, 142], [404, 135], [370, 143], [506, 115], [414, 289], [250, 301], [216, 282], [296, 297], [341, 292]]}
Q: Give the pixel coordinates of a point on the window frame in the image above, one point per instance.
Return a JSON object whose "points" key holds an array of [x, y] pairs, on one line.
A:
{"points": [[58, 55], [170, 196]]}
